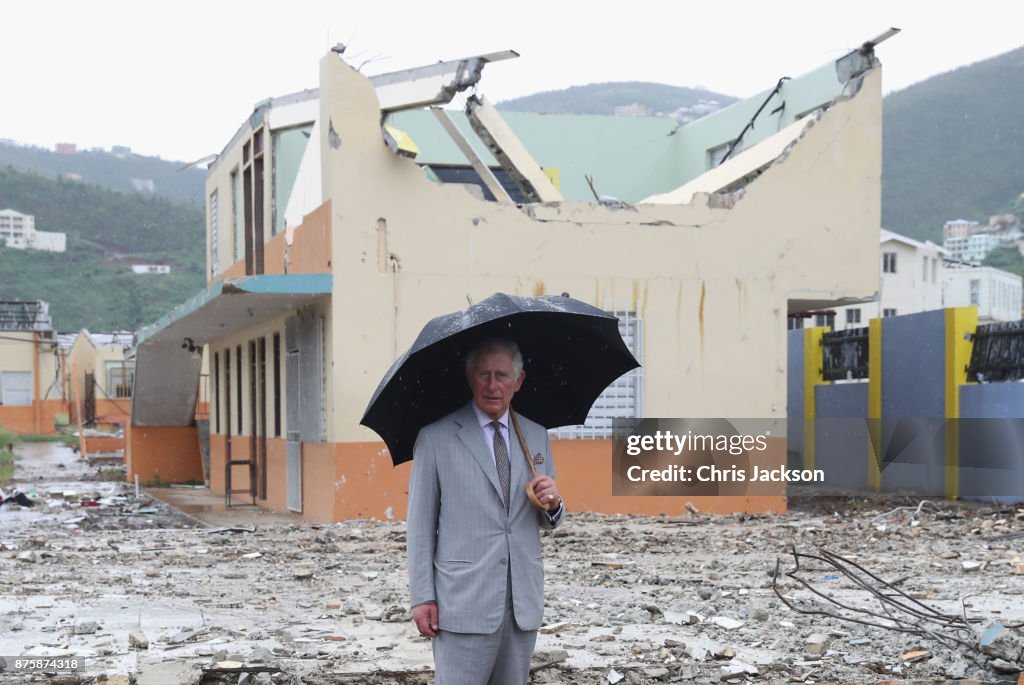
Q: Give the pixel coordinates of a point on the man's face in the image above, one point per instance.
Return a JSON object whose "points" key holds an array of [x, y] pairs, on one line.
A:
{"points": [[494, 382]]}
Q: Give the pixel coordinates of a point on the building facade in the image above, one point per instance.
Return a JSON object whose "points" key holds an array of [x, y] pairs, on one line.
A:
{"points": [[329, 246], [18, 231], [996, 293], [32, 369]]}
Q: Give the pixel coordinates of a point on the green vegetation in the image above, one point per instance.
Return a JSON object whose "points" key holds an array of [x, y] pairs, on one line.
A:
{"points": [[952, 146], [1007, 259], [92, 285], [7, 441], [603, 98], [115, 172]]}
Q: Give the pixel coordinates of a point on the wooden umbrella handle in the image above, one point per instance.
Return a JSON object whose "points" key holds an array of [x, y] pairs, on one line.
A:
{"points": [[529, 460]]}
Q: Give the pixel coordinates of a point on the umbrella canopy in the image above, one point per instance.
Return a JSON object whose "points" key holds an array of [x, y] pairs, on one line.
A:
{"points": [[571, 352]]}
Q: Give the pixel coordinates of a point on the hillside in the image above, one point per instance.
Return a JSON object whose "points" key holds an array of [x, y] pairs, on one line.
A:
{"points": [[108, 170], [92, 285], [952, 147], [603, 98]]}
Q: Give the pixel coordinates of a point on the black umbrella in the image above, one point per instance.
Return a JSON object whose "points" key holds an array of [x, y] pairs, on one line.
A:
{"points": [[571, 353]]}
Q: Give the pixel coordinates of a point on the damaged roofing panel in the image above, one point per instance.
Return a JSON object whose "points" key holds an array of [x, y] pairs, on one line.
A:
{"points": [[25, 316], [433, 84]]}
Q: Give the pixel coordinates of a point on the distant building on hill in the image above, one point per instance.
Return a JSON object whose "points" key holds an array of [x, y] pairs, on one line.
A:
{"points": [[969, 241], [66, 149], [18, 231], [151, 268]]}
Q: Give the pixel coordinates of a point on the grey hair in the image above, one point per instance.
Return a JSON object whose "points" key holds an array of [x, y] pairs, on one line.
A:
{"points": [[495, 344]]}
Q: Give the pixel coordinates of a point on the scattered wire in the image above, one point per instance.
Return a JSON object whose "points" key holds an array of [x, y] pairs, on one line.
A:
{"points": [[897, 611], [917, 511]]}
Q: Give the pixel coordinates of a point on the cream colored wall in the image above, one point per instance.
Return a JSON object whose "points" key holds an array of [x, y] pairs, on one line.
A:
{"points": [[82, 357], [104, 354], [710, 284], [16, 351], [265, 329]]}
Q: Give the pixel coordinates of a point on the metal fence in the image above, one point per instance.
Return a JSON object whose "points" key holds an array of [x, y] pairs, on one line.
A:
{"points": [[997, 353], [844, 354]]}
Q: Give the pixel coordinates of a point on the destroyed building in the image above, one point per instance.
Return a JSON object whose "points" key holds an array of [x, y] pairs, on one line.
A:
{"points": [[341, 219]]}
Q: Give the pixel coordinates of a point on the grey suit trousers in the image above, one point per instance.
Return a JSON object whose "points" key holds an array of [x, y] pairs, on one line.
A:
{"points": [[500, 658]]}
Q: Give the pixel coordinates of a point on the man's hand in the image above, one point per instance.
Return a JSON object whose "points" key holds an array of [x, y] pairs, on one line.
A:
{"points": [[547, 491], [425, 618]]}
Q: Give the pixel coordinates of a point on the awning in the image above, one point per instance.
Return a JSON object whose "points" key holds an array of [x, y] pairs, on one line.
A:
{"points": [[168, 358]]}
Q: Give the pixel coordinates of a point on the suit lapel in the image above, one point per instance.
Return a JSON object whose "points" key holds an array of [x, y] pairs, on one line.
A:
{"points": [[472, 436]]}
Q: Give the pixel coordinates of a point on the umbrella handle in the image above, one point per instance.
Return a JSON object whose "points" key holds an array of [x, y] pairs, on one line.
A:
{"points": [[533, 469]]}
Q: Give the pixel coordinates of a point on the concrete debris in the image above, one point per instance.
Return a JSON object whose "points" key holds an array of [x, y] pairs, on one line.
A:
{"points": [[735, 669], [328, 603], [816, 645], [1001, 642]]}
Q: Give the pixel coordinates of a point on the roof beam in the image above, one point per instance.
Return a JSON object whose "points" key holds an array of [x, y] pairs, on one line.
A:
{"points": [[510, 152], [433, 84]]}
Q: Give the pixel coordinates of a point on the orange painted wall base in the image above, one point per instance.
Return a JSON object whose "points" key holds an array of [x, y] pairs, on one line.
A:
{"points": [[165, 454], [38, 418], [357, 480]]}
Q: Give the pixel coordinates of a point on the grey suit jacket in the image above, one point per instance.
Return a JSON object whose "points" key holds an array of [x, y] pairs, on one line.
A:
{"points": [[460, 540]]}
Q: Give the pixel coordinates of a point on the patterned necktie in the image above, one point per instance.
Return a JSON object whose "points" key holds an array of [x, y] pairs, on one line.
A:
{"points": [[501, 461]]}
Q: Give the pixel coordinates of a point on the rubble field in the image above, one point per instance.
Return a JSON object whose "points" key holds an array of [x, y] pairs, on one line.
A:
{"points": [[840, 589]]}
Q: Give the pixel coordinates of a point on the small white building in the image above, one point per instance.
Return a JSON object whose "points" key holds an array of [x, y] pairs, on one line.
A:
{"points": [[996, 293], [151, 268], [18, 231]]}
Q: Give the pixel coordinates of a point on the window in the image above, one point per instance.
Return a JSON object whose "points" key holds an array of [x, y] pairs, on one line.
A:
{"points": [[889, 262], [16, 387], [795, 323], [214, 235], [716, 155], [621, 399], [888, 312], [935, 269], [120, 375], [824, 319], [289, 146], [853, 315], [975, 291], [924, 268], [236, 216]]}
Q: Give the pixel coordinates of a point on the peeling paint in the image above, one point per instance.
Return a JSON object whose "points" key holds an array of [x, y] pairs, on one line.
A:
{"points": [[382, 245], [333, 138], [700, 315], [538, 288]]}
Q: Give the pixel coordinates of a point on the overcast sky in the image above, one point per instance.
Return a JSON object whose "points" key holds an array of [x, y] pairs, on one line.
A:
{"points": [[176, 79]]}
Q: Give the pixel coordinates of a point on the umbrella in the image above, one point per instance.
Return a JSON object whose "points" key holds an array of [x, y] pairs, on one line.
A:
{"points": [[571, 352]]}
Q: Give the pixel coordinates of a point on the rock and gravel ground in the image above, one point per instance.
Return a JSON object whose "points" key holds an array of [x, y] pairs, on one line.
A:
{"points": [[147, 595]]}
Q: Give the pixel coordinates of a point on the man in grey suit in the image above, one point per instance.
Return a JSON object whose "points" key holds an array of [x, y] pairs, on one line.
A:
{"points": [[476, 577]]}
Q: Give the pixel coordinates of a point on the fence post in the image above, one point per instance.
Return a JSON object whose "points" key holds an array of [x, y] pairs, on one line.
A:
{"points": [[875, 404], [812, 377], [960, 321]]}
